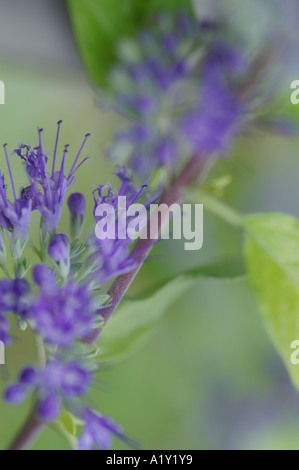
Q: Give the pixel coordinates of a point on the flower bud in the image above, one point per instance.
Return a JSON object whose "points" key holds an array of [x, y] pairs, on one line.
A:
{"points": [[49, 408], [59, 250], [43, 276], [29, 376], [77, 207], [15, 394]]}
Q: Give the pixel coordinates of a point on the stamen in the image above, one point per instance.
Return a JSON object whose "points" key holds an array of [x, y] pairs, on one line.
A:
{"points": [[56, 145], [138, 194], [77, 167], [40, 131], [78, 156], [2, 194], [71, 182], [48, 194], [63, 160], [10, 173], [61, 175]]}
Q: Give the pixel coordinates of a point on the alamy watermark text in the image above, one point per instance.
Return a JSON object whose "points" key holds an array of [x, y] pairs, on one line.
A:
{"points": [[153, 222]]}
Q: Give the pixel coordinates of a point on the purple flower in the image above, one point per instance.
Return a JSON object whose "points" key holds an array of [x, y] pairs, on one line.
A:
{"points": [[29, 376], [47, 187], [113, 255], [220, 114], [16, 394], [187, 92], [57, 382], [77, 206], [15, 297], [166, 152], [152, 91], [14, 217], [98, 432], [44, 277], [211, 128], [48, 409], [62, 314], [115, 259], [223, 61], [4, 330], [59, 248]]}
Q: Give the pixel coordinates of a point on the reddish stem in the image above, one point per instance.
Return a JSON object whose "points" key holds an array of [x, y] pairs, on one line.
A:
{"points": [[173, 194], [31, 430]]}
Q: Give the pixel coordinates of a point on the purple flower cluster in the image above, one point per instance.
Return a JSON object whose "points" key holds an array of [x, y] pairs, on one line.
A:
{"points": [[14, 217], [61, 314], [47, 187], [219, 114], [113, 255], [180, 85], [58, 381], [63, 304], [4, 330], [15, 297], [64, 383], [98, 431]]}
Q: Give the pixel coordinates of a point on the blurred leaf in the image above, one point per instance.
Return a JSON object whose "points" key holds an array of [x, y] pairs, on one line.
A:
{"points": [[216, 206], [100, 24], [66, 426], [67, 421], [135, 320], [217, 186], [272, 255]]}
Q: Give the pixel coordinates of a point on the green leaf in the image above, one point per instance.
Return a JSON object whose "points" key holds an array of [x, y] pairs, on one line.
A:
{"points": [[67, 421], [272, 257], [217, 186], [135, 320], [217, 207], [100, 24], [66, 426]]}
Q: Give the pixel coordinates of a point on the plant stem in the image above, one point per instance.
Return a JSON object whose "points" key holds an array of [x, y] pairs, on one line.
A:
{"points": [[33, 426], [30, 431], [195, 168]]}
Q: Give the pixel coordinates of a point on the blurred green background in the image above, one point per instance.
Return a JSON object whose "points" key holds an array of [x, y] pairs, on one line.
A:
{"points": [[209, 378]]}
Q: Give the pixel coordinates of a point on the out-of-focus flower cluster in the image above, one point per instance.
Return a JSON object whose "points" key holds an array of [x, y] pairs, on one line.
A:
{"points": [[177, 85], [188, 88]]}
